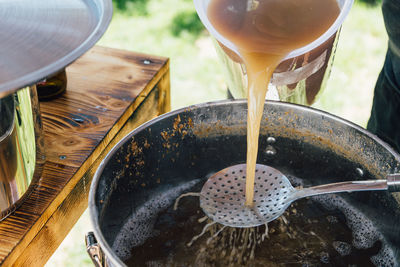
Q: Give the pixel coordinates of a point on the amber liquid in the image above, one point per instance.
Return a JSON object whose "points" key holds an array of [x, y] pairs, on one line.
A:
{"points": [[264, 32]]}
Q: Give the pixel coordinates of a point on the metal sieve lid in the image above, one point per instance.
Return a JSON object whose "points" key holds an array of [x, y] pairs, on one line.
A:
{"points": [[40, 37]]}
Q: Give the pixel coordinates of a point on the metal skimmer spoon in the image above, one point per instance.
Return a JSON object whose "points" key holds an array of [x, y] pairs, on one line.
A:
{"points": [[222, 197]]}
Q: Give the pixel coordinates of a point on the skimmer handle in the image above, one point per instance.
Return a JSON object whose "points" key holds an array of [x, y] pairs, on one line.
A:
{"points": [[392, 184]]}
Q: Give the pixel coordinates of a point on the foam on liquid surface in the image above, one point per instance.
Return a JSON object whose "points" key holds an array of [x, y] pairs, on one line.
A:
{"points": [[365, 234], [140, 224]]}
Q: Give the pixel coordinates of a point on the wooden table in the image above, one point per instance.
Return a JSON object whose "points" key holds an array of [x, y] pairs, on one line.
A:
{"points": [[109, 93]]}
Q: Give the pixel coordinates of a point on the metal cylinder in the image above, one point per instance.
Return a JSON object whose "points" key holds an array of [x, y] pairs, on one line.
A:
{"points": [[21, 147]]}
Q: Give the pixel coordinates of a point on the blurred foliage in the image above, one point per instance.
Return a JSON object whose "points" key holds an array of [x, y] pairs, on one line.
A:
{"points": [[187, 21], [371, 2], [131, 7], [139, 8]]}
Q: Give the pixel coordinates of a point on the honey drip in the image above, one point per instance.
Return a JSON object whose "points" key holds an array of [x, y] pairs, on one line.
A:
{"points": [[265, 32], [229, 246]]}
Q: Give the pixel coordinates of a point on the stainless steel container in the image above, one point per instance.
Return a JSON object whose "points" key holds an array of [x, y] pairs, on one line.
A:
{"points": [[39, 39], [21, 147]]}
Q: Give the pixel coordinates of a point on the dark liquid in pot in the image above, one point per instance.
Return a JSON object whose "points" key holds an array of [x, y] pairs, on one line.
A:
{"points": [[321, 231]]}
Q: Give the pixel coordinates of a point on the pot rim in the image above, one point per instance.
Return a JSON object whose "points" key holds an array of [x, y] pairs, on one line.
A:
{"points": [[110, 254]]}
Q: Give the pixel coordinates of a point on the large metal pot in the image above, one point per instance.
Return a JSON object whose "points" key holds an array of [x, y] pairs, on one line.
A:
{"points": [[133, 191]]}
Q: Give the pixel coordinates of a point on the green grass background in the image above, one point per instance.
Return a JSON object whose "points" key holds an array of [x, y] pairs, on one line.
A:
{"points": [[171, 28]]}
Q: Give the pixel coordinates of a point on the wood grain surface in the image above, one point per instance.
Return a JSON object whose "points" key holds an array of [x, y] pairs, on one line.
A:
{"points": [[110, 92]]}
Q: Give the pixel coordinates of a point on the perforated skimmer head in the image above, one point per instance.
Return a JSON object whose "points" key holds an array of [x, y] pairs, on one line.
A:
{"points": [[222, 197]]}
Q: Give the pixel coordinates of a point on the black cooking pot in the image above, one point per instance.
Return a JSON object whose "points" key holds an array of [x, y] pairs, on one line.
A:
{"points": [[133, 191]]}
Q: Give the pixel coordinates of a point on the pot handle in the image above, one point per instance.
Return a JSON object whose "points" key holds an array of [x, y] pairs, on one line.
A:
{"points": [[94, 250]]}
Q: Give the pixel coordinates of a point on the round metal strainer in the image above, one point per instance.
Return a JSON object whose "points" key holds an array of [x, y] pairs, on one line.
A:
{"points": [[222, 197]]}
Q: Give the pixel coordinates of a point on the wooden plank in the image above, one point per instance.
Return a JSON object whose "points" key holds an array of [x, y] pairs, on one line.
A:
{"points": [[105, 88], [164, 104]]}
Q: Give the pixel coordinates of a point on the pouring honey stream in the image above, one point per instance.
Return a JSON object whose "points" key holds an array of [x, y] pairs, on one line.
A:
{"points": [[265, 32]]}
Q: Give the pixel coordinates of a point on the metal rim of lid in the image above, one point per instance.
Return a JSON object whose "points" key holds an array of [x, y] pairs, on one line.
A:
{"points": [[102, 10]]}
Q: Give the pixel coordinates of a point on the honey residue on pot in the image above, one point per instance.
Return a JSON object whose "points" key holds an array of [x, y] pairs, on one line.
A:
{"points": [[180, 128], [264, 32]]}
